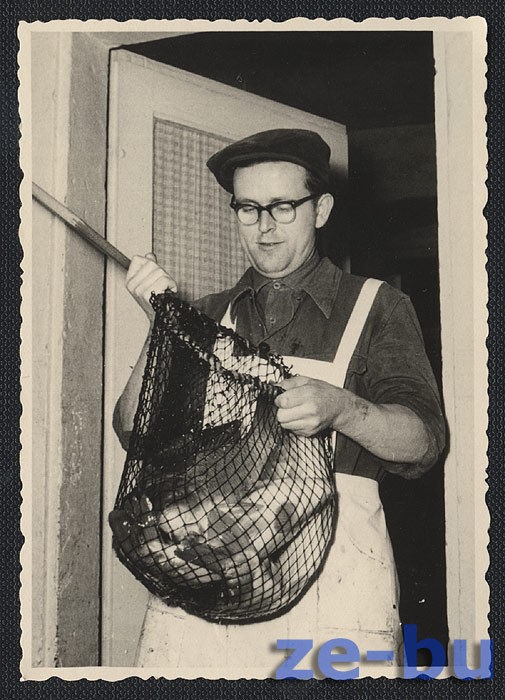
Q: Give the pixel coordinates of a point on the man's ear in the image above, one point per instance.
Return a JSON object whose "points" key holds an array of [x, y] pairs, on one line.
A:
{"points": [[323, 209]]}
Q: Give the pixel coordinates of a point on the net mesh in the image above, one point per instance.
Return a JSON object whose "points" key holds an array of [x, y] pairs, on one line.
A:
{"points": [[219, 509]]}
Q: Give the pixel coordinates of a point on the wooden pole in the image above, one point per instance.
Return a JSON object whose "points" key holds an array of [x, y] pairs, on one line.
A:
{"points": [[79, 226]]}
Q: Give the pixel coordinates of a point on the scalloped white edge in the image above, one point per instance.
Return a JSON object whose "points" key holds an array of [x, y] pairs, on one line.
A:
{"points": [[456, 24]]}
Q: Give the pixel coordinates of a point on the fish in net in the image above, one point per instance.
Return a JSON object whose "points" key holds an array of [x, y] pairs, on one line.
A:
{"points": [[220, 510]]}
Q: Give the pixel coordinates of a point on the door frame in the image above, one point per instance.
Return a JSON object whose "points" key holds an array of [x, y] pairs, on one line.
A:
{"points": [[461, 174]]}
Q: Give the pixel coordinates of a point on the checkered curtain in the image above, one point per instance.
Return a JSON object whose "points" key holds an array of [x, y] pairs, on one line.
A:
{"points": [[194, 229]]}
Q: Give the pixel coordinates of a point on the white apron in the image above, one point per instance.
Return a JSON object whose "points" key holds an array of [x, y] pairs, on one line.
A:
{"points": [[356, 595]]}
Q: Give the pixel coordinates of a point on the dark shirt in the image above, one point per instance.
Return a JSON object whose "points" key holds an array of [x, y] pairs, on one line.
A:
{"points": [[304, 314], [278, 300]]}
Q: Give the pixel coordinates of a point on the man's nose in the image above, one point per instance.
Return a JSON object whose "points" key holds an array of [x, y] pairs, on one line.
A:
{"points": [[266, 222]]}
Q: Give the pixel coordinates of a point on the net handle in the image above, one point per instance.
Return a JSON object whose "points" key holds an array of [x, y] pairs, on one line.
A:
{"points": [[79, 226]]}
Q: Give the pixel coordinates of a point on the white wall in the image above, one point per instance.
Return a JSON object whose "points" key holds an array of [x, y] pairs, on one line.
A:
{"points": [[69, 92], [50, 68]]}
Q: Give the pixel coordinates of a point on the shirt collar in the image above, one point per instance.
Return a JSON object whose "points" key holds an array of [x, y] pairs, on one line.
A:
{"points": [[295, 280], [318, 277]]}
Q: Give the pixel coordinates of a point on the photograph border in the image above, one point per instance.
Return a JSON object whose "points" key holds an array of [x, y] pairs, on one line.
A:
{"points": [[494, 273]]}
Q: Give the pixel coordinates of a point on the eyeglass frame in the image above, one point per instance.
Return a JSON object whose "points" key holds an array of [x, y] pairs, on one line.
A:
{"points": [[295, 203]]}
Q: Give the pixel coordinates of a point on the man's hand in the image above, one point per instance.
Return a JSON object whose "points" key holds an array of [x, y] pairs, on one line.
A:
{"points": [[389, 431], [144, 277], [308, 406]]}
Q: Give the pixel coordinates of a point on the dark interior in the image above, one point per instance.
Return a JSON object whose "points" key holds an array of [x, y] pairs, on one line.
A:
{"points": [[380, 85]]}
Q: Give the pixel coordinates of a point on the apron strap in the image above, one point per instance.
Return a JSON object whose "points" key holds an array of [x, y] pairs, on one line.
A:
{"points": [[226, 320], [353, 329]]}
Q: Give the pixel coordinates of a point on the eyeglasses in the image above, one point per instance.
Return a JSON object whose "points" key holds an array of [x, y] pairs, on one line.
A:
{"points": [[283, 212]]}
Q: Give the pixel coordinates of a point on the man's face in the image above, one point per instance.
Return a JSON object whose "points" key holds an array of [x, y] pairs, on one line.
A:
{"points": [[273, 248]]}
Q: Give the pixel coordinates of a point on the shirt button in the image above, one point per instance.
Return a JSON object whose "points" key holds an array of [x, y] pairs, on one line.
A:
{"points": [[276, 285]]}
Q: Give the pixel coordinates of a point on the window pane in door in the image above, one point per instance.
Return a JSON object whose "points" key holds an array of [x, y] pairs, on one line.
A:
{"points": [[194, 229]]}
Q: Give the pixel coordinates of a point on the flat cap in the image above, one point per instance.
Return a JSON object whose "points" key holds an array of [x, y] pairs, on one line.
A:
{"points": [[299, 146]]}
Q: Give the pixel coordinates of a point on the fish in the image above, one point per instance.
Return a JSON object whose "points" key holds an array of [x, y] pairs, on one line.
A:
{"points": [[224, 514]]}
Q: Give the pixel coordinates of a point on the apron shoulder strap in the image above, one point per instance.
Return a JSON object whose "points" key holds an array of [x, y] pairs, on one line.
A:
{"points": [[353, 329], [226, 320]]}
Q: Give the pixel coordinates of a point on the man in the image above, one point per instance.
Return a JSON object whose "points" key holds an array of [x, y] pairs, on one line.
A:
{"points": [[387, 414]]}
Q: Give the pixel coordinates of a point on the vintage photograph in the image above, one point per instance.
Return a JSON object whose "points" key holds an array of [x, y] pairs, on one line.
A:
{"points": [[253, 349]]}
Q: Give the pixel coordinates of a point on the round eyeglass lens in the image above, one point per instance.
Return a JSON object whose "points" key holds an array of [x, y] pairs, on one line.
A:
{"points": [[247, 214], [284, 212]]}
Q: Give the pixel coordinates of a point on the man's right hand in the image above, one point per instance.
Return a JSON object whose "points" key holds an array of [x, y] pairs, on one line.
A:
{"points": [[144, 277]]}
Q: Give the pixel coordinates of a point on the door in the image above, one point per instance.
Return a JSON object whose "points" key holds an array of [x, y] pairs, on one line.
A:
{"points": [[163, 125]]}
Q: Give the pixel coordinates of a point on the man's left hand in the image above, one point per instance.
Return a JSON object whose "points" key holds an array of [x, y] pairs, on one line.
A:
{"points": [[308, 405]]}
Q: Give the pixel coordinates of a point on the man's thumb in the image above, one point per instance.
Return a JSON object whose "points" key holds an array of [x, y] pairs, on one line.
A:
{"points": [[151, 256]]}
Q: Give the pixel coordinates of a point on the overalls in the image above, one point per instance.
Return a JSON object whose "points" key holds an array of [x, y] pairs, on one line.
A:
{"points": [[356, 594]]}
